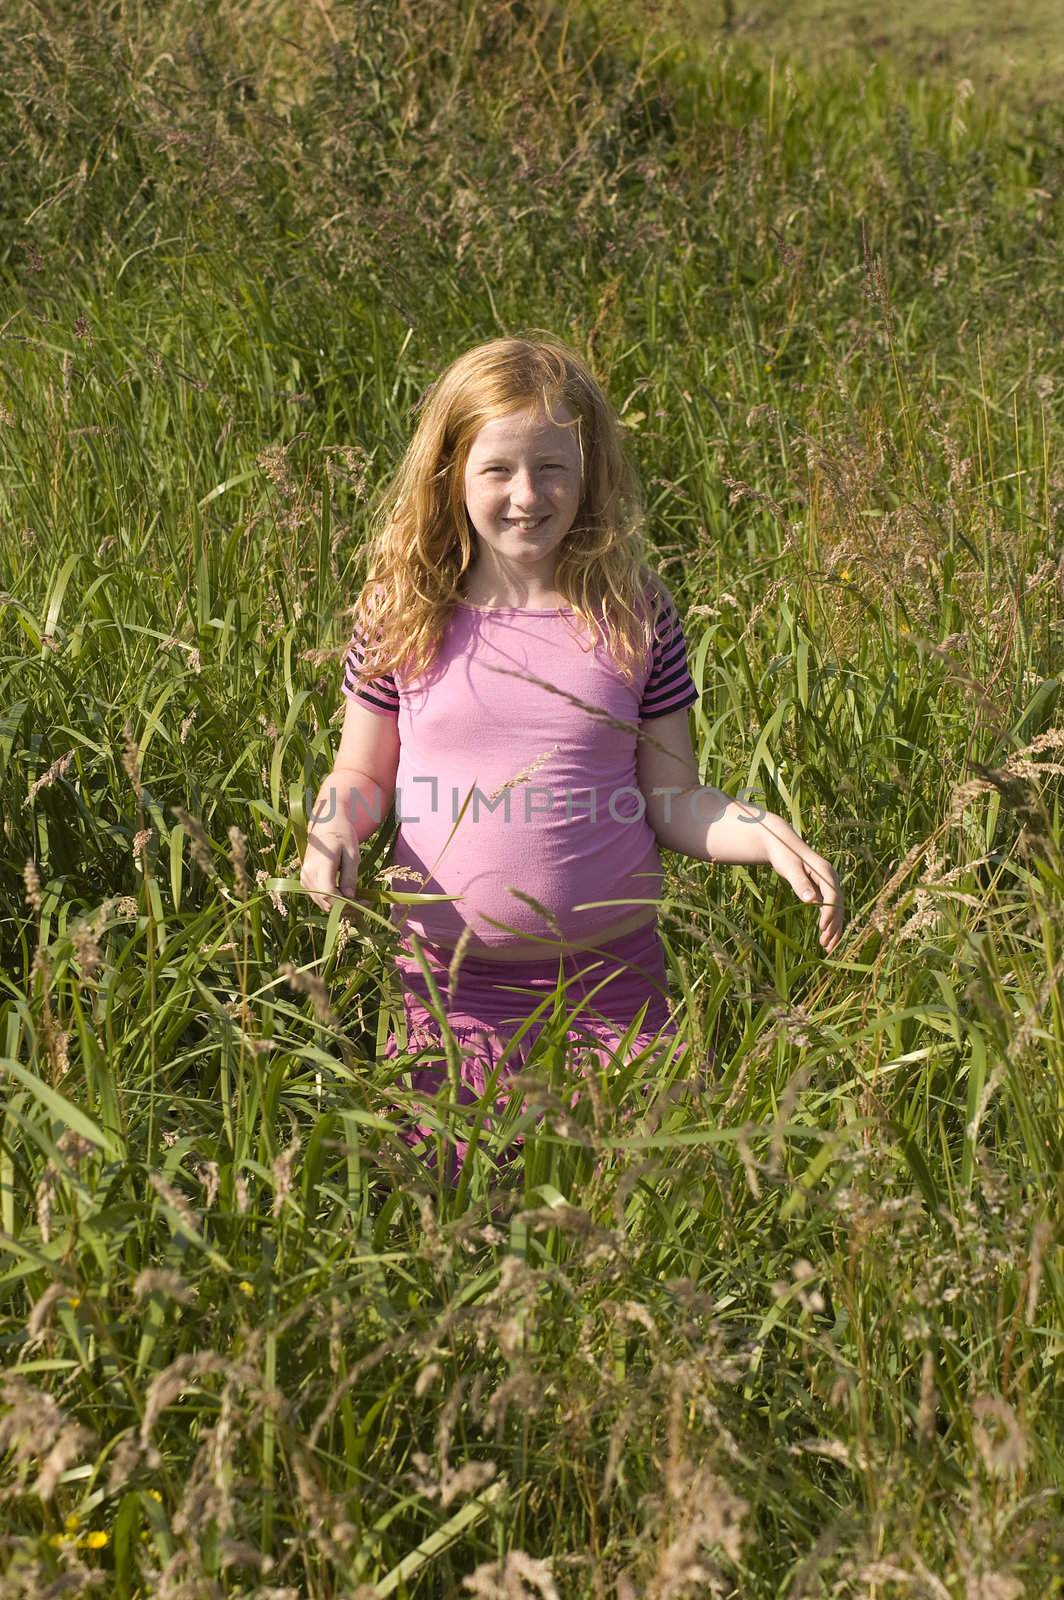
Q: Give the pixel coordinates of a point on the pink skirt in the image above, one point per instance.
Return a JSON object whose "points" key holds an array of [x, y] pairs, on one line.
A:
{"points": [[605, 987]]}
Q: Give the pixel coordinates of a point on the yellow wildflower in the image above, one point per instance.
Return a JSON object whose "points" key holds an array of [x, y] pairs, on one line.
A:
{"points": [[72, 1522], [245, 1287], [94, 1541]]}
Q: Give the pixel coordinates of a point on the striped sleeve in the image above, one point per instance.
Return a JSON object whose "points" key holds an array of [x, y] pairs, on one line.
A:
{"points": [[670, 686], [379, 694]]}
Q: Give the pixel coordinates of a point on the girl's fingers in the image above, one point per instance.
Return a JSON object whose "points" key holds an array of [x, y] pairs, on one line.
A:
{"points": [[804, 886], [828, 882], [815, 880], [828, 890], [809, 875]]}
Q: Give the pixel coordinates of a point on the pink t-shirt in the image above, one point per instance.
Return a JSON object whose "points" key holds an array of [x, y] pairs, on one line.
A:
{"points": [[503, 718]]}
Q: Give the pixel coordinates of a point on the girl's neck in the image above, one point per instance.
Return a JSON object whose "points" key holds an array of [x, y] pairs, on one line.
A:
{"points": [[528, 602], [494, 595], [510, 585]]}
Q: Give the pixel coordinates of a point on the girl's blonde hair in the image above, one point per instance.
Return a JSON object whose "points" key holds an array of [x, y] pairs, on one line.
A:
{"points": [[421, 542]]}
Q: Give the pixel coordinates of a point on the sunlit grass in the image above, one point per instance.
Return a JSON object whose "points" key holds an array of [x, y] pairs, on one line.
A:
{"points": [[792, 1331]]}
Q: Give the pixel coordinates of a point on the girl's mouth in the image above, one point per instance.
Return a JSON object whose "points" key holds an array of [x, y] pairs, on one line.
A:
{"points": [[524, 525]]}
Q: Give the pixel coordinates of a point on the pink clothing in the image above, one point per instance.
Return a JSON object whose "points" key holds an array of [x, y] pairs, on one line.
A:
{"points": [[517, 713], [605, 988]]}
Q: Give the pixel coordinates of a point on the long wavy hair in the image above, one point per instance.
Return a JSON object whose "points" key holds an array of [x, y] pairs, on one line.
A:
{"points": [[422, 543]]}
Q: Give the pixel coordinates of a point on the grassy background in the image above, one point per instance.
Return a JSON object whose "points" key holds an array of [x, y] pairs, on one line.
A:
{"points": [[797, 1333], [998, 43]]}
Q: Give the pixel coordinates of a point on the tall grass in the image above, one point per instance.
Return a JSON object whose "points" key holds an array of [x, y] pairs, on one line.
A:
{"points": [[796, 1332]]}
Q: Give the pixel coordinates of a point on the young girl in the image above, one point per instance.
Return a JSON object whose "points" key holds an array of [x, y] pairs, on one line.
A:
{"points": [[517, 683]]}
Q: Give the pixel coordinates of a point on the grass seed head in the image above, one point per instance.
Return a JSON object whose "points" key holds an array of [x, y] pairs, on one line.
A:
{"points": [[176, 1199], [207, 1173], [238, 855], [34, 1427], [75, 1147], [282, 1174], [276, 901], [518, 1577], [57, 770], [40, 1319], [85, 941], [43, 1198], [309, 983], [131, 759], [162, 1280], [928, 1410], [31, 878], [1005, 1450], [199, 843]]}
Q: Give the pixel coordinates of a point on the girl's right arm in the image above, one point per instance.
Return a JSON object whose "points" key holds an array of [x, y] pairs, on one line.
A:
{"points": [[353, 801]]}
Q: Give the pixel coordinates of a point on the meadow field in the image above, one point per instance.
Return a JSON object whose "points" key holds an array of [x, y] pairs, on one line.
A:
{"points": [[794, 1332]]}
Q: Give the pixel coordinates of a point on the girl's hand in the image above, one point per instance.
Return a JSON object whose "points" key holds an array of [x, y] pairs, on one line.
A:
{"points": [[332, 852], [811, 877]]}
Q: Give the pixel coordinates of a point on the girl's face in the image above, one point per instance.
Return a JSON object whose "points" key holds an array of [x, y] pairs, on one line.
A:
{"points": [[523, 486]]}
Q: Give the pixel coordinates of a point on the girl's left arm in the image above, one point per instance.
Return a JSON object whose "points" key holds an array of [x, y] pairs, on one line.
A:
{"points": [[699, 821]]}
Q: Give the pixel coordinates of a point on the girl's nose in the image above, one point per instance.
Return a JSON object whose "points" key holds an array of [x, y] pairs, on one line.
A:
{"points": [[523, 490]]}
